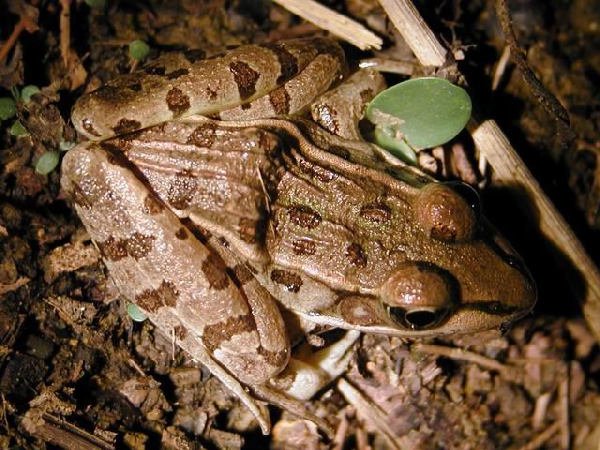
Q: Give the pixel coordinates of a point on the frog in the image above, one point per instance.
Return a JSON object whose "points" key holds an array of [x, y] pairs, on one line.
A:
{"points": [[236, 224]]}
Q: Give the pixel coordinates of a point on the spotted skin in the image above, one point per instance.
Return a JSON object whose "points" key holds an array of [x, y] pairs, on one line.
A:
{"points": [[204, 225], [166, 88]]}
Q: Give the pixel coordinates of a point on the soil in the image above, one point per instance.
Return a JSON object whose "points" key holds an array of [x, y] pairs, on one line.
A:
{"points": [[77, 373]]}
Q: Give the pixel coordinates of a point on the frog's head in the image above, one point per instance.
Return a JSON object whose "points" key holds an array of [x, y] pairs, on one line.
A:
{"points": [[458, 274]]}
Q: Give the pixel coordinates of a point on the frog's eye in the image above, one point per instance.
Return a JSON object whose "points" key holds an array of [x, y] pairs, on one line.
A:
{"points": [[419, 295], [448, 212]]}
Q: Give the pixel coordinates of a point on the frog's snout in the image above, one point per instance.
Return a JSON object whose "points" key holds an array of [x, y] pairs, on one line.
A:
{"points": [[419, 295]]}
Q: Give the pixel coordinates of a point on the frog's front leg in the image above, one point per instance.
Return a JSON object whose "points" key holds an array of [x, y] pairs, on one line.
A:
{"points": [[183, 286]]}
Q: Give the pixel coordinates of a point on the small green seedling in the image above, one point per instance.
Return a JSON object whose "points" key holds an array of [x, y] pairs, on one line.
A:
{"points": [[138, 50], [47, 162], [135, 313], [7, 108], [418, 114], [18, 129], [28, 91]]}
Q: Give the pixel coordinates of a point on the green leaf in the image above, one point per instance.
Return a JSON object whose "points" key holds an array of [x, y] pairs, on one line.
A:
{"points": [[425, 112], [135, 313], [18, 129], [28, 91], [7, 108], [47, 162], [138, 50]]}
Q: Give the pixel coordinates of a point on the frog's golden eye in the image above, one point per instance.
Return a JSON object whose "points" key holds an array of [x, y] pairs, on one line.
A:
{"points": [[448, 212], [419, 295]]}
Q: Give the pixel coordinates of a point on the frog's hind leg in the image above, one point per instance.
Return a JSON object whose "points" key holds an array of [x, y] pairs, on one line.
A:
{"points": [[182, 285]]}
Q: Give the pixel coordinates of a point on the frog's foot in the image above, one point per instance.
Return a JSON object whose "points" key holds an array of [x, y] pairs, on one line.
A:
{"points": [[306, 374], [293, 406], [260, 412]]}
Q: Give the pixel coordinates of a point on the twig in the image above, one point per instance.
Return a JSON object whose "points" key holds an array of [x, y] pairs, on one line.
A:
{"points": [[65, 31], [338, 24], [370, 413], [507, 372], [542, 438], [415, 32], [25, 23]]}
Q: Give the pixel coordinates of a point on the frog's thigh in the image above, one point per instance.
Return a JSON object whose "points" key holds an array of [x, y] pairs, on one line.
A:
{"points": [[157, 263], [305, 375]]}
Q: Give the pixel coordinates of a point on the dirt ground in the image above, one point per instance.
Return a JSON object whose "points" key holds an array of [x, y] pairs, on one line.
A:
{"points": [[77, 373]]}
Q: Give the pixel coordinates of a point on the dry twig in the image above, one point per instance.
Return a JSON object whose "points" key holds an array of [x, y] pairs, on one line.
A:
{"points": [[336, 23]]}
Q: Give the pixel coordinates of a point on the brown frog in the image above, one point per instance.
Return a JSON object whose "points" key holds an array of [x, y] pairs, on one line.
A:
{"points": [[215, 227]]}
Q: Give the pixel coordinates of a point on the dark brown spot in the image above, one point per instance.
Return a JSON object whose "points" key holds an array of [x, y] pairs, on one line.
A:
{"points": [[154, 70], [152, 206], [80, 197], [246, 106], [305, 217], [366, 95], [87, 126], [245, 77], [177, 101], [242, 274], [356, 255], [180, 332], [181, 234], [109, 93], [224, 242], [203, 136], [280, 100], [181, 190], [194, 55], [126, 126], [168, 294], [215, 334], [304, 247], [153, 299], [289, 280], [317, 172], [138, 245], [376, 212], [339, 151], [199, 232], [327, 47], [247, 230], [212, 94], [287, 62], [177, 73], [214, 269], [113, 249], [274, 358], [136, 87]]}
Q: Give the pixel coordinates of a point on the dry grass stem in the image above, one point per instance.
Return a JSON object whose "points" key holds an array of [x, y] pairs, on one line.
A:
{"points": [[542, 438], [338, 24], [510, 170], [507, 372], [370, 413], [415, 32], [388, 65]]}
